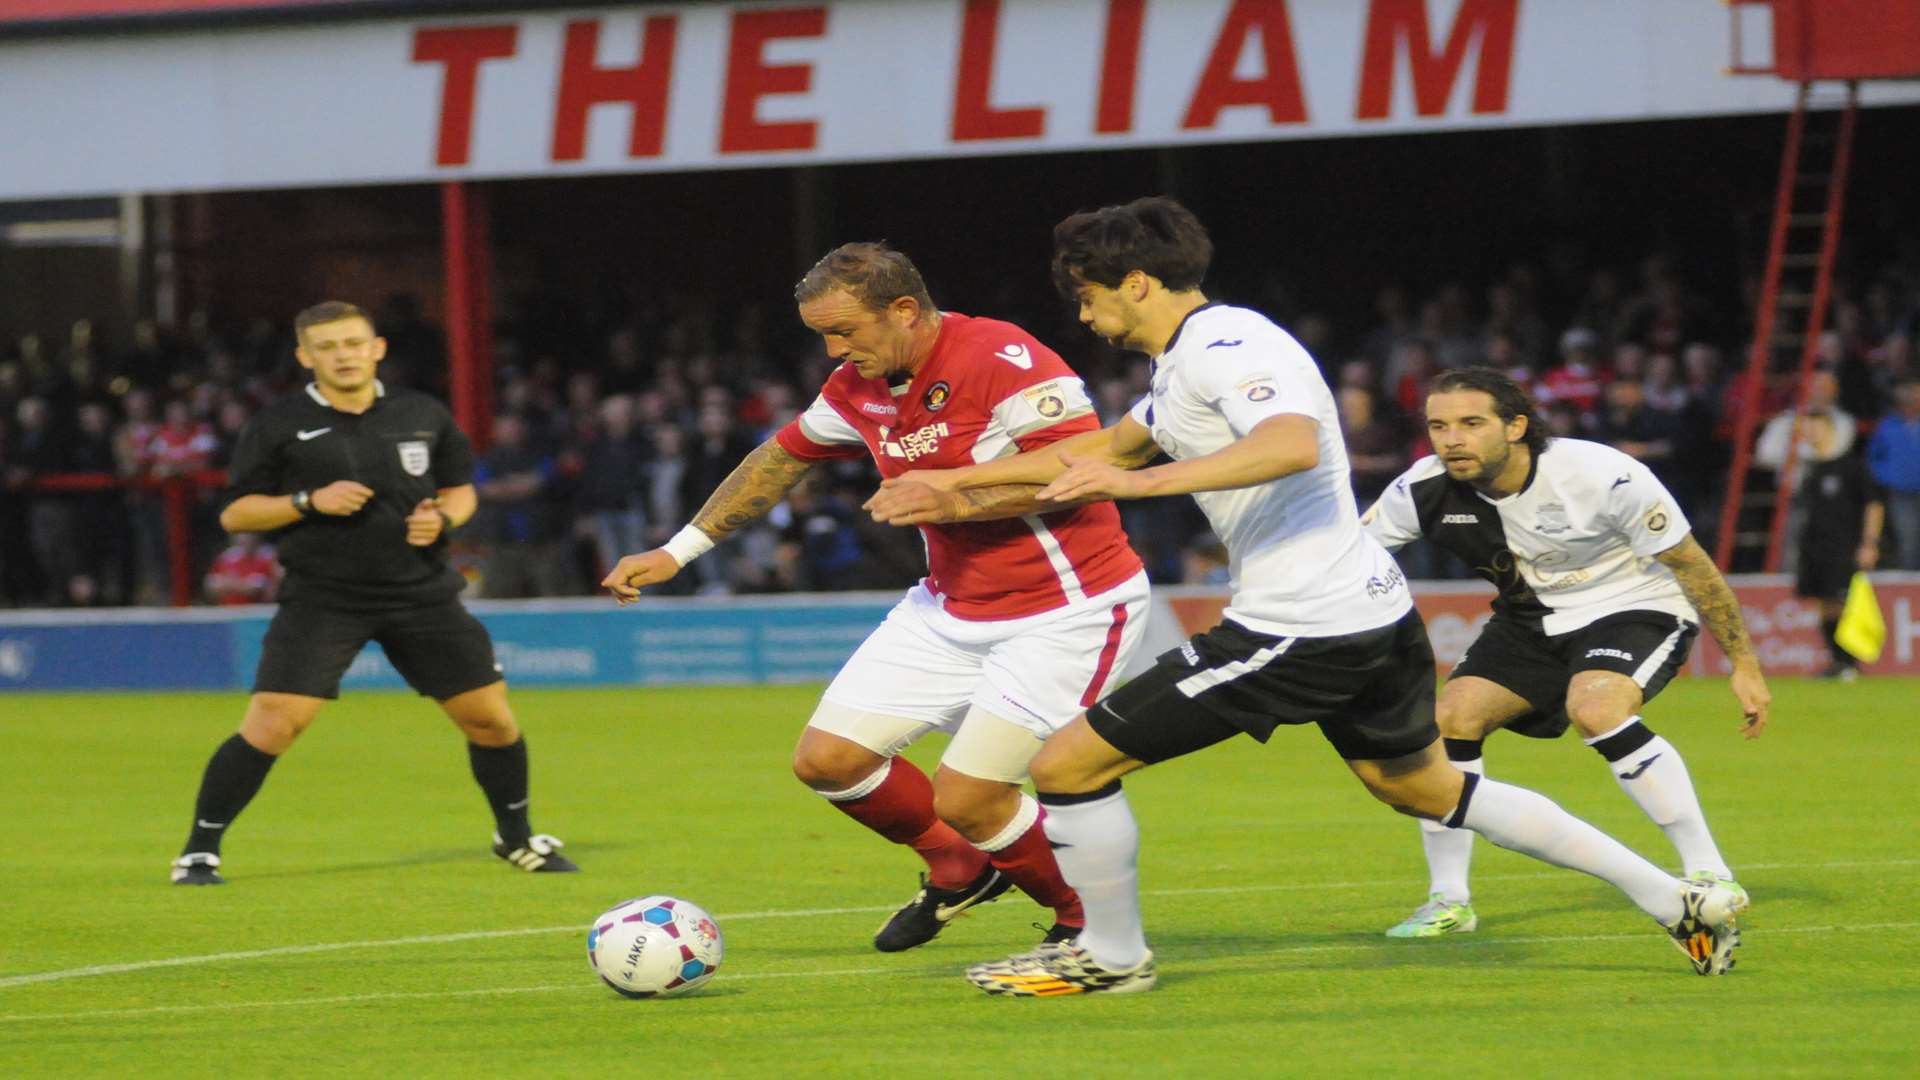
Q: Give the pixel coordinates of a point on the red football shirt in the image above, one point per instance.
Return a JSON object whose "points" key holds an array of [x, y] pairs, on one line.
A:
{"points": [[989, 389]]}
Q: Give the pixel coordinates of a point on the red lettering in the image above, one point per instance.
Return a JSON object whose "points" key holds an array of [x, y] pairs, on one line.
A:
{"points": [[1391, 22], [584, 84], [749, 79], [462, 49], [1278, 89], [974, 116], [1119, 66]]}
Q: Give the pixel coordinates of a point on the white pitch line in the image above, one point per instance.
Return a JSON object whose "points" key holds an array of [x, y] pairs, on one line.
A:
{"points": [[481, 935], [584, 984]]}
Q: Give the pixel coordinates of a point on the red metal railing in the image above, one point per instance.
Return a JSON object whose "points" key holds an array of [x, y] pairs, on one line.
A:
{"points": [[176, 494]]}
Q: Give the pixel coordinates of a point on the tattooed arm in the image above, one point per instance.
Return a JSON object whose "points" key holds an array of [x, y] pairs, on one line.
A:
{"points": [[1719, 609], [754, 487]]}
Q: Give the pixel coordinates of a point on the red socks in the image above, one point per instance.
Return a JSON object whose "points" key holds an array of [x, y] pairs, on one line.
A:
{"points": [[900, 808]]}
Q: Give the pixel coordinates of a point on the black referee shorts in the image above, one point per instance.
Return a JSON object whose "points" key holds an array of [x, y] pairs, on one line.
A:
{"points": [[1371, 693], [1825, 571], [439, 648], [1649, 647]]}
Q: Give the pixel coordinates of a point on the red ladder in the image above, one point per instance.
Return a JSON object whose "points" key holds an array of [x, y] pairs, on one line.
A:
{"points": [[1792, 314]]}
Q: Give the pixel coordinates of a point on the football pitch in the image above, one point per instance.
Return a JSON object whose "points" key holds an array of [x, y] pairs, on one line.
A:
{"points": [[367, 932]]}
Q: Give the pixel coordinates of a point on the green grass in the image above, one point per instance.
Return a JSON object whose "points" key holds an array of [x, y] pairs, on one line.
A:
{"points": [[1268, 876]]}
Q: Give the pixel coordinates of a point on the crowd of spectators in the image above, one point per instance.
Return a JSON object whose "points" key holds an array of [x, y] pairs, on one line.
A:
{"points": [[609, 436]]}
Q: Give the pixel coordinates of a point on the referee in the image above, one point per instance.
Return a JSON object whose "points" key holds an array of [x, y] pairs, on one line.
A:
{"points": [[361, 486]]}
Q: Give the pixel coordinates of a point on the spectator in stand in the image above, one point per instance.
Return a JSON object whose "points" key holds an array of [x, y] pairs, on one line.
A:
{"points": [[609, 493], [19, 571], [102, 569], [1895, 457], [133, 456], [717, 448], [1664, 390], [1394, 322], [246, 572], [512, 478], [229, 419], [40, 451], [1601, 306], [1413, 366], [1654, 437], [1663, 315], [1376, 445], [665, 491], [181, 445], [820, 526], [1509, 317], [1504, 355], [1577, 381]]}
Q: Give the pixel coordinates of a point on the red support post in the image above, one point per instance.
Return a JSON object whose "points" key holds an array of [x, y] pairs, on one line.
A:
{"points": [[1816, 322], [178, 495], [467, 252], [1760, 356]]}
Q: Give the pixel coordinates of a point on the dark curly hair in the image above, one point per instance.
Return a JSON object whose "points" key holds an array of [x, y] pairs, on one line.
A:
{"points": [[1155, 235], [1510, 399]]}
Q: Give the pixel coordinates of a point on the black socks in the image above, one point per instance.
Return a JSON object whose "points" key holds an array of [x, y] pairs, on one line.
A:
{"points": [[234, 775], [502, 774]]}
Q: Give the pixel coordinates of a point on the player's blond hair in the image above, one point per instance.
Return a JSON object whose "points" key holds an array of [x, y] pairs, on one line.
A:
{"points": [[871, 272]]}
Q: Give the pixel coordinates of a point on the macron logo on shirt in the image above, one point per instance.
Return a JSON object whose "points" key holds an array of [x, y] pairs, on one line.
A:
{"points": [[1017, 355]]}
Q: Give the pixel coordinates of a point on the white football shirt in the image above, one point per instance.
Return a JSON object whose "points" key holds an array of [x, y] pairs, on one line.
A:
{"points": [[1577, 543], [1300, 563]]}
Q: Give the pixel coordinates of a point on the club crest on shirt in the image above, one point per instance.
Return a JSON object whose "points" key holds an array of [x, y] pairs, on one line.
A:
{"points": [[414, 457], [937, 396], [1551, 519]]}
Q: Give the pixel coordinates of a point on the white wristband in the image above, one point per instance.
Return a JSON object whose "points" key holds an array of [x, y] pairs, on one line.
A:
{"points": [[687, 545]]}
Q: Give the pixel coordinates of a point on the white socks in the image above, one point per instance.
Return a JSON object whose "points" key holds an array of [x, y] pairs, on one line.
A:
{"points": [[1652, 773], [1532, 824], [1450, 851], [1097, 844]]}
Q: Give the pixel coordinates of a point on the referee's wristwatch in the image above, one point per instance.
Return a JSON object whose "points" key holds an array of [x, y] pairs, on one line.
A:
{"points": [[303, 503]]}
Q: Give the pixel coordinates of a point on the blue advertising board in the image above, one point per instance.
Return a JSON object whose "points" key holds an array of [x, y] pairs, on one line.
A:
{"points": [[539, 643]]}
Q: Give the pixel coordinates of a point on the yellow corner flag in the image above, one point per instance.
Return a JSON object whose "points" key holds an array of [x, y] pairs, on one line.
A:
{"points": [[1862, 631]]}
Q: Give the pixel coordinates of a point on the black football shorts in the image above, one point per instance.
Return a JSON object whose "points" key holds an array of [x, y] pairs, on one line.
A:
{"points": [[1371, 693], [440, 649]]}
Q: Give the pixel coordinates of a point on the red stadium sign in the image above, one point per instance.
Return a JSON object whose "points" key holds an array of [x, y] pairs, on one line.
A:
{"points": [[619, 89]]}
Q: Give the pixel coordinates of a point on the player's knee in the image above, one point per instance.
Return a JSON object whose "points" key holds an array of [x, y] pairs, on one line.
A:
{"points": [[1457, 722], [1413, 800], [827, 768], [1053, 769], [272, 725], [1595, 715], [491, 729]]}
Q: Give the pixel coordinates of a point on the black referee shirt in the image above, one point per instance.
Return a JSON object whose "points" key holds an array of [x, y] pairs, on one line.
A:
{"points": [[405, 448], [1835, 495]]}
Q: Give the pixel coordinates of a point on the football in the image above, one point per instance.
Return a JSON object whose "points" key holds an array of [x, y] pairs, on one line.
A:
{"points": [[656, 946]]}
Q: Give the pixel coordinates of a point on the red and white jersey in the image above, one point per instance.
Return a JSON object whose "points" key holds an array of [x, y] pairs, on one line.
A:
{"points": [[988, 390]]}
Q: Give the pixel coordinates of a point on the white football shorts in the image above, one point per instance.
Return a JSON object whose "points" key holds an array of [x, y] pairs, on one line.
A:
{"points": [[1039, 672]]}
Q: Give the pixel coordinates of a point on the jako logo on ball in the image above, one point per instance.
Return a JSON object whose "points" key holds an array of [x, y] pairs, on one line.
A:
{"points": [[657, 946]]}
